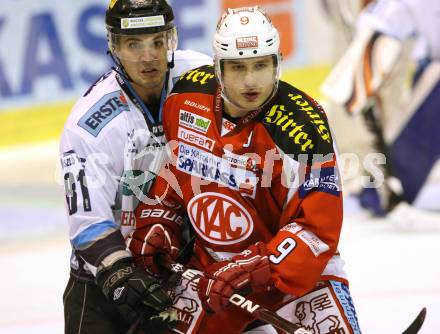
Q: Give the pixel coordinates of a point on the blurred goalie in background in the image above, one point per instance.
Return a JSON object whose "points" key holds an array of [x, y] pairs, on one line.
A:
{"points": [[384, 92]]}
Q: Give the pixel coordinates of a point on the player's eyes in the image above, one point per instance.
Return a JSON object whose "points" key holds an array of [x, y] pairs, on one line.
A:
{"points": [[237, 67], [134, 45], [260, 66], [159, 43]]}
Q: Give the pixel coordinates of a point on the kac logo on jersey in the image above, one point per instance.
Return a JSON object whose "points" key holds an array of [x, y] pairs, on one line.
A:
{"points": [[102, 112], [219, 219]]}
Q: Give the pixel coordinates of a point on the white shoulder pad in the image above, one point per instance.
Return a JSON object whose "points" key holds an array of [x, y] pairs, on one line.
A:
{"points": [[185, 60], [102, 103], [362, 70]]}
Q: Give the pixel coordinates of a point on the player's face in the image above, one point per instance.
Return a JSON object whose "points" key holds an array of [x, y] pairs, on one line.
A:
{"points": [[248, 83], [144, 58]]}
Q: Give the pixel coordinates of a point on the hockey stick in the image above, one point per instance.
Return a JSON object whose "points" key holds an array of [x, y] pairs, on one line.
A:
{"points": [[415, 326], [266, 315], [247, 305]]}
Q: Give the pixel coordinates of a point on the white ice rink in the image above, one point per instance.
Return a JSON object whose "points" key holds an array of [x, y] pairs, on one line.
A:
{"points": [[393, 273]]}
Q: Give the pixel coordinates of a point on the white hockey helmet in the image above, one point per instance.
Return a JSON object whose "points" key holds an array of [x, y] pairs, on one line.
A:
{"points": [[245, 32]]}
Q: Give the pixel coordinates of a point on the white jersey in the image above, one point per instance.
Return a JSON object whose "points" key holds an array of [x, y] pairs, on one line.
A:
{"points": [[110, 151], [408, 18]]}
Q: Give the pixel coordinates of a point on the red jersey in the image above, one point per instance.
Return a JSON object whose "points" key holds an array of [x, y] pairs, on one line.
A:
{"points": [[271, 177]]}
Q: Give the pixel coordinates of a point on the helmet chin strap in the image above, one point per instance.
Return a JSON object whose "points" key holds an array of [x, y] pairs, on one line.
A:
{"points": [[171, 61], [119, 68]]}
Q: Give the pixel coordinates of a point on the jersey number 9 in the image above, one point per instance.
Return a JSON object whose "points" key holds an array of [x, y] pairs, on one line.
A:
{"points": [[284, 248]]}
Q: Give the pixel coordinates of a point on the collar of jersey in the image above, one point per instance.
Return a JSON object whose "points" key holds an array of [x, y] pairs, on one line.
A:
{"points": [[141, 105]]}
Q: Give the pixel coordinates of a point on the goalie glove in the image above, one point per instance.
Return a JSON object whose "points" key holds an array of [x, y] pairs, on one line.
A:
{"points": [[248, 271]]}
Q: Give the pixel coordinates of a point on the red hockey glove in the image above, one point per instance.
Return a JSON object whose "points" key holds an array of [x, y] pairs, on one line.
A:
{"points": [[147, 242], [250, 270]]}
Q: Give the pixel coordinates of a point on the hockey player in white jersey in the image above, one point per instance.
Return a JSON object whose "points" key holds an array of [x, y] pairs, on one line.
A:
{"points": [[405, 125], [110, 151]]}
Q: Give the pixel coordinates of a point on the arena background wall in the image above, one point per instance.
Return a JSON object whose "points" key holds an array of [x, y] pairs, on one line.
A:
{"points": [[53, 50]]}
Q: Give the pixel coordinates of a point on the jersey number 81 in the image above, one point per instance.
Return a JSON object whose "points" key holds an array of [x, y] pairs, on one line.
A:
{"points": [[72, 196]]}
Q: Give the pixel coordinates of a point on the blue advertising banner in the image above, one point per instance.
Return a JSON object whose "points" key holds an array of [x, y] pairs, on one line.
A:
{"points": [[53, 50]]}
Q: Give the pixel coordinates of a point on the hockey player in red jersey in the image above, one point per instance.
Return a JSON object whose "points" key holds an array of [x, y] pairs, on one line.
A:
{"points": [[253, 168]]}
